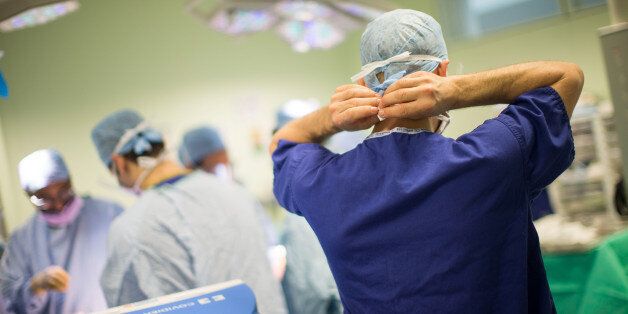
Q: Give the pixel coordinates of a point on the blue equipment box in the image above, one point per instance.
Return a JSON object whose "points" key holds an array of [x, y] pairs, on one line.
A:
{"points": [[228, 297]]}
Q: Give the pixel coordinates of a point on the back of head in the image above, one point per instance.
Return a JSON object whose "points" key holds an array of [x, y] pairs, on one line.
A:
{"points": [[125, 133], [396, 32], [40, 169], [197, 144]]}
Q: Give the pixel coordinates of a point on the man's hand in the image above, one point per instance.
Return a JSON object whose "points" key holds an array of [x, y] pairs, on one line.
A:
{"points": [[422, 94], [418, 95], [354, 107], [51, 278]]}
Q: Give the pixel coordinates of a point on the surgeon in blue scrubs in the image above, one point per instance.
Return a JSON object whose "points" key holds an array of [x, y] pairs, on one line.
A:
{"points": [[415, 222]]}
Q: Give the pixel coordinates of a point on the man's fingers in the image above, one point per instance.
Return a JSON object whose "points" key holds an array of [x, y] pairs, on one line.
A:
{"points": [[405, 110], [58, 278], [61, 275], [56, 282], [357, 102], [342, 88], [408, 82], [355, 114], [420, 74], [399, 97], [367, 122], [361, 92]]}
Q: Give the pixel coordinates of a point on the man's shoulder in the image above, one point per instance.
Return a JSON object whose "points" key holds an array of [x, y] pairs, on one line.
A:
{"points": [[144, 216], [102, 205], [209, 184], [297, 150], [29, 227], [124, 228]]}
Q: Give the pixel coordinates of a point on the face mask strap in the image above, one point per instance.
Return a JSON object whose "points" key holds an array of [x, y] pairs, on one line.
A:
{"points": [[445, 120], [145, 162], [149, 164]]}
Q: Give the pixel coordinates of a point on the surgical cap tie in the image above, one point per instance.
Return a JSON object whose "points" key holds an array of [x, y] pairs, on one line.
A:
{"points": [[139, 139], [402, 57]]}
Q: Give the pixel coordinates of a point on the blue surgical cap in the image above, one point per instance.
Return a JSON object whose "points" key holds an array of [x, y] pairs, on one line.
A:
{"points": [[40, 169], [396, 32], [197, 144], [124, 132]]}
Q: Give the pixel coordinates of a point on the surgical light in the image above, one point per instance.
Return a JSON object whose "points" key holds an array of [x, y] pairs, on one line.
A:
{"points": [[19, 14], [304, 24]]}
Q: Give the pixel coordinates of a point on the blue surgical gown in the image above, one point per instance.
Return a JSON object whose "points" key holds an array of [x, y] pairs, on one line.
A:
{"points": [[541, 206], [79, 248], [414, 222], [197, 231]]}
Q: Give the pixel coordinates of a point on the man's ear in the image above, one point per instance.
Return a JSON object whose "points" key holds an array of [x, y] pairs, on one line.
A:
{"points": [[119, 163], [441, 70]]}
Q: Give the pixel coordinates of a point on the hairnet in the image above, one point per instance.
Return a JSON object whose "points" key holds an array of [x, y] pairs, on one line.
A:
{"points": [[123, 132], [396, 32], [198, 143], [295, 108], [41, 168]]}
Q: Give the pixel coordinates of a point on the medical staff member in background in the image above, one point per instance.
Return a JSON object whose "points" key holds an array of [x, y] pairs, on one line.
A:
{"points": [[412, 221], [308, 284], [53, 263], [186, 230], [2, 303], [202, 148]]}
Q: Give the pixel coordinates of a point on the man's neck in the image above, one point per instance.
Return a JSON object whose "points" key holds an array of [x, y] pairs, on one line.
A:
{"points": [[390, 124], [164, 171]]}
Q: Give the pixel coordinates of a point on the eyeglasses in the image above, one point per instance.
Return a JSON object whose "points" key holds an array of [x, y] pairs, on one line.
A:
{"points": [[64, 194]]}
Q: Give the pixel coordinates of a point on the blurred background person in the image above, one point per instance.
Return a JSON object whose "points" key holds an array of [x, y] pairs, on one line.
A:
{"points": [[53, 263], [202, 148], [2, 303], [186, 230]]}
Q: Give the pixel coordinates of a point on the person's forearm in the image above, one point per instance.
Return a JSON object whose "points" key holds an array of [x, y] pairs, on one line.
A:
{"points": [[504, 85], [313, 128]]}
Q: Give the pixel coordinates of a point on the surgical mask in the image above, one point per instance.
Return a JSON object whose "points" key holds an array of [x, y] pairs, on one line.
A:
{"points": [[223, 171], [69, 213], [381, 88]]}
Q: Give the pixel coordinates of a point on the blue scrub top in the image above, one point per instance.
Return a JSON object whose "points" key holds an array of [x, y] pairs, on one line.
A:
{"points": [[414, 222], [541, 206]]}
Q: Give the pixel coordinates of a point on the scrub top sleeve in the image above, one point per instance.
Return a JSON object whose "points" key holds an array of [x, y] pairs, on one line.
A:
{"points": [[292, 161], [15, 281], [540, 123]]}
